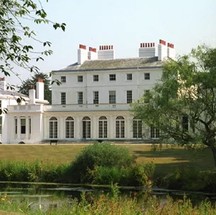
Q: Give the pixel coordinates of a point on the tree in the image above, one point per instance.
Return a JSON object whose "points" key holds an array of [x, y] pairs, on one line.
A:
{"points": [[16, 36], [183, 104], [27, 85]]}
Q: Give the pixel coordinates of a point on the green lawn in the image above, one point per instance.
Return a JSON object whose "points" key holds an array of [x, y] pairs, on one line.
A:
{"points": [[166, 159]]}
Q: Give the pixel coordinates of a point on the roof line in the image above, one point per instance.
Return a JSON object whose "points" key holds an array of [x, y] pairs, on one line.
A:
{"points": [[107, 69]]}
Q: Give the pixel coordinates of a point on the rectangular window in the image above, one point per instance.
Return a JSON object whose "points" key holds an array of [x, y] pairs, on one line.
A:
{"points": [[80, 97], [95, 97], [63, 79], [129, 77], [23, 125], [15, 122], [80, 78], [63, 98], [129, 96], [0, 124], [95, 77], [146, 96], [137, 128], [112, 97], [29, 125], [147, 76], [112, 77], [154, 132], [185, 123]]}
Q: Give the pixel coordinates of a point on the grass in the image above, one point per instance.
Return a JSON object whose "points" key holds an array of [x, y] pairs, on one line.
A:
{"points": [[166, 158], [107, 205]]}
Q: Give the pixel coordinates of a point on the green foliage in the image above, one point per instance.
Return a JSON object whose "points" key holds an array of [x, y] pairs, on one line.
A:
{"points": [[144, 174], [31, 172], [190, 179], [109, 164], [98, 156], [16, 35], [183, 104], [108, 175]]}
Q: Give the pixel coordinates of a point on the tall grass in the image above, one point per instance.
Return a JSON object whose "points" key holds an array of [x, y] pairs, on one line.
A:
{"points": [[116, 205]]}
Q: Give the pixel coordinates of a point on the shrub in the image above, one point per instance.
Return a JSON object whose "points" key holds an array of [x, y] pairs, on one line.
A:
{"points": [[31, 172], [111, 175], [143, 174], [191, 179], [94, 157]]}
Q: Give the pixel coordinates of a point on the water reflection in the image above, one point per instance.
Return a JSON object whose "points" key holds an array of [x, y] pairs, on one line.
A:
{"points": [[45, 196]]}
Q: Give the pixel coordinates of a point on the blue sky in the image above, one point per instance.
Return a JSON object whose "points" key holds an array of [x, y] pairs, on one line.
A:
{"points": [[124, 24]]}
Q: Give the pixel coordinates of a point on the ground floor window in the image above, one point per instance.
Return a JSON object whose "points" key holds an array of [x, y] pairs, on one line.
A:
{"points": [[102, 127], [120, 127], [53, 127], [15, 122], [86, 127], [137, 128], [185, 123], [29, 125], [22, 125], [69, 125], [0, 124], [154, 132]]}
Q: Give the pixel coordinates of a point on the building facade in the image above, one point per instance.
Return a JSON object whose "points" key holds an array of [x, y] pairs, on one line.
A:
{"points": [[94, 98]]}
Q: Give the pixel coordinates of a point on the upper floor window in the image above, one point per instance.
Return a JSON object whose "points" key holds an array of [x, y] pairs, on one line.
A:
{"points": [[80, 78], [80, 97], [146, 96], [95, 97], [112, 97], [95, 77], [63, 98], [63, 79], [129, 96], [147, 76], [129, 77], [112, 77]]}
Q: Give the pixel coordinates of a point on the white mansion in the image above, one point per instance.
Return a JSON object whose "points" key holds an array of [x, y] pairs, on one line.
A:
{"points": [[91, 103]]}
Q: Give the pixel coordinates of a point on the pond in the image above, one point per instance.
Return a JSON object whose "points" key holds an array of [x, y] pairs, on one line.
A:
{"points": [[44, 196]]}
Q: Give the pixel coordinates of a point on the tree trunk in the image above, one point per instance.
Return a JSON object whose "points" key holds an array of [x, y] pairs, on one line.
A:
{"points": [[212, 147]]}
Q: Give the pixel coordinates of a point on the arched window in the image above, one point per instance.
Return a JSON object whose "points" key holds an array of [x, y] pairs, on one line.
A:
{"points": [[120, 127], [102, 127], [53, 127], [137, 128], [69, 127], [86, 123]]}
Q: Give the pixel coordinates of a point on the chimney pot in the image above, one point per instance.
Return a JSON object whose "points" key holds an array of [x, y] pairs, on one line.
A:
{"points": [[81, 46], [163, 42]]}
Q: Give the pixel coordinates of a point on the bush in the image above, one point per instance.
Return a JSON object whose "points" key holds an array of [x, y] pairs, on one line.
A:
{"points": [[191, 179], [31, 172], [99, 158], [111, 175]]}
